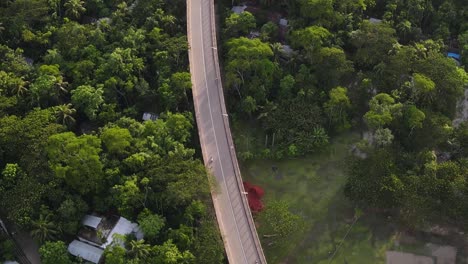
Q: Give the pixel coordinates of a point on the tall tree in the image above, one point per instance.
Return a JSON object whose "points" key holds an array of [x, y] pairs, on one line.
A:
{"points": [[54, 252], [74, 8], [88, 99], [44, 229], [76, 160]]}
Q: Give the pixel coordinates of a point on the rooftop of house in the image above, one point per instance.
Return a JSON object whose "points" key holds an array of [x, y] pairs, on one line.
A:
{"points": [[96, 229], [283, 22], [85, 251], [150, 116], [375, 20], [98, 233], [238, 9]]}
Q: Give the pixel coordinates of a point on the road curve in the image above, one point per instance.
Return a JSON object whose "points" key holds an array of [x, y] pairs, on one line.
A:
{"points": [[234, 217]]}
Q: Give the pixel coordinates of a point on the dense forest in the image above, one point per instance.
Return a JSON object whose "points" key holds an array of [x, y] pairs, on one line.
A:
{"points": [[376, 66], [75, 78]]}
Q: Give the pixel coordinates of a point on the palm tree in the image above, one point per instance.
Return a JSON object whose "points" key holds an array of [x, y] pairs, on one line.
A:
{"points": [[55, 5], [139, 250], [44, 229], [277, 49], [267, 109], [74, 8], [65, 114], [319, 136], [61, 85], [20, 88]]}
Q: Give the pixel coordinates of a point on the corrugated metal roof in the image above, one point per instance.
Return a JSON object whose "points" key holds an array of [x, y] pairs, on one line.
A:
{"points": [[238, 9], [123, 227], [283, 22], [91, 221], [149, 116], [85, 251]]}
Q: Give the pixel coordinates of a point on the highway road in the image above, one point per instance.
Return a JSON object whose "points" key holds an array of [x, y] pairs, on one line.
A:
{"points": [[232, 211]]}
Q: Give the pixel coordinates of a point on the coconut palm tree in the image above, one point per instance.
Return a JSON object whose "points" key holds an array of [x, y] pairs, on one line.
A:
{"points": [[44, 229], [319, 136], [139, 250], [65, 114], [266, 109], [74, 8], [277, 49], [20, 88]]}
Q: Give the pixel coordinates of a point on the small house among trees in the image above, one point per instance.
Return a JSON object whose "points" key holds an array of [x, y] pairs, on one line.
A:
{"points": [[98, 233]]}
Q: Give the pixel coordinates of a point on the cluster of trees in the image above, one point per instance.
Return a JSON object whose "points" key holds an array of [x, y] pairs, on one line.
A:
{"points": [[75, 77], [389, 77]]}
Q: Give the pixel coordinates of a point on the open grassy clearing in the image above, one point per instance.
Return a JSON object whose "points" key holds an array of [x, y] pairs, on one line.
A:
{"points": [[313, 187]]}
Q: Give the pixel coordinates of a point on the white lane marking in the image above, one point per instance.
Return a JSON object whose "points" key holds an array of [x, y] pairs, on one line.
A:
{"points": [[214, 133]]}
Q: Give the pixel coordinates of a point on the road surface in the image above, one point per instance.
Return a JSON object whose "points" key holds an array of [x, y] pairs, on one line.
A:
{"points": [[234, 217]]}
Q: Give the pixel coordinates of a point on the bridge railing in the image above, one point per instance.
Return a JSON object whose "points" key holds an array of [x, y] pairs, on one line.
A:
{"points": [[227, 128]]}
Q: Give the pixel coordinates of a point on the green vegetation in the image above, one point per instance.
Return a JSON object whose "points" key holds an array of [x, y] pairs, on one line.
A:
{"points": [[389, 78], [75, 79], [313, 188]]}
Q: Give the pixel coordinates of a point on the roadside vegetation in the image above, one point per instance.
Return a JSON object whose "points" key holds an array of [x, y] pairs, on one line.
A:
{"points": [[75, 80], [300, 74]]}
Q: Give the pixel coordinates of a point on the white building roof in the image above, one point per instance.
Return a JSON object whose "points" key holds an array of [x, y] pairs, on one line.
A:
{"points": [[238, 9], [91, 221], [123, 227], [149, 116], [85, 251], [287, 49], [283, 22], [375, 20]]}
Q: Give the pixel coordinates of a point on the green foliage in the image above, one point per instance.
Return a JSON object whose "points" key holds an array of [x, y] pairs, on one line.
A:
{"points": [[54, 252], [128, 196], [116, 140], [88, 99], [332, 67], [76, 160], [383, 137], [280, 220], [170, 254], [269, 31], [311, 38], [21, 201], [239, 24], [374, 182], [414, 117], [321, 10], [151, 224], [382, 110], [7, 250], [337, 107], [249, 69], [59, 164], [44, 229], [297, 122], [10, 175], [115, 255], [70, 212], [208, 244], [372, 43], [74, 8]]}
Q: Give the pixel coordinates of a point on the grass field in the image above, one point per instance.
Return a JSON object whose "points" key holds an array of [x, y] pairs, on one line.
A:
{"points": [[313, 186]]}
